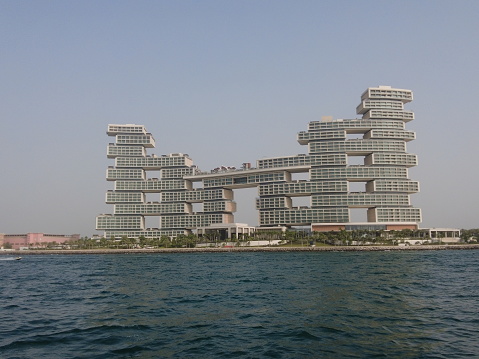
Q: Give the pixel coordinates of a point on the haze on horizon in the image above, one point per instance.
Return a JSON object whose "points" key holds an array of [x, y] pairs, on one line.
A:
{"points": [[226, 82]]}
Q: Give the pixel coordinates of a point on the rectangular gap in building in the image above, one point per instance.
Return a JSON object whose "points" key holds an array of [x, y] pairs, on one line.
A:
{"points": [[358, 215], [153, 174], [355, 160], [302, 176], [152, 222], [246, 211], [197, 184], [197, 207], [357, 186], [354, 136], [301, 202], [152, 197]]}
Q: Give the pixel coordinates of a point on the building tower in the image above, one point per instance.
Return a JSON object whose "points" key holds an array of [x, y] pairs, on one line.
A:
{"points": [[378, 140], [137, 176]]}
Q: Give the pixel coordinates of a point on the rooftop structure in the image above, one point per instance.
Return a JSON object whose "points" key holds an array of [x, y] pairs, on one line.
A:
{"points": [[368, 153]]}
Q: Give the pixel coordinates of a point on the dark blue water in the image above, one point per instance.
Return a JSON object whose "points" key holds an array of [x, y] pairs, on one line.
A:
{"points": [[241, 305]]}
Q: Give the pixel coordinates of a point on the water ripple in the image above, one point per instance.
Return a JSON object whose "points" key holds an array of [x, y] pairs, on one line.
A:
{"points": [[248, 305]]}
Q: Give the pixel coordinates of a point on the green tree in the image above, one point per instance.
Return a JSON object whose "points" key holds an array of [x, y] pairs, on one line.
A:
{"points": [[103, 242], [128, 242], [164, 241], [396, 236], [192, 240], [470, 235], [344, 237], [143, 241], [320, 237]]}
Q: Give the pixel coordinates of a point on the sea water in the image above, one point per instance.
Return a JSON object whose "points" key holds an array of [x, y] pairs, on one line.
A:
{"points": [[398, 304]]}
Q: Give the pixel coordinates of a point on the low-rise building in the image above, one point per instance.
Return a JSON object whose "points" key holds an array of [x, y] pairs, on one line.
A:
{"points": [[445, 235], [35, 240]]}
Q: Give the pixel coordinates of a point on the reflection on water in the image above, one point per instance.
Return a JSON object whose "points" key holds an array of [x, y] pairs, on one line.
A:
{"points": [[247, 305]]}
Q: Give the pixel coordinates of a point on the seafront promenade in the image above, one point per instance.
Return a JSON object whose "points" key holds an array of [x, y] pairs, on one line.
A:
{"points": [[243, 249]]}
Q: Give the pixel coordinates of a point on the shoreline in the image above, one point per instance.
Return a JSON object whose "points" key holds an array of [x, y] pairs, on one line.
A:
{"points": [[241, 249]]}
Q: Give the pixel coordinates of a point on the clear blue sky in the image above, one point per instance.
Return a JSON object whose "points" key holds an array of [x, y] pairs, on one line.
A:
{"points": [[226, 82]]}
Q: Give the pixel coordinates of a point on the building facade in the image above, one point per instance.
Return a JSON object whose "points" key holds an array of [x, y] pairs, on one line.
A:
{"points": [[35, 240], [355, 163]]}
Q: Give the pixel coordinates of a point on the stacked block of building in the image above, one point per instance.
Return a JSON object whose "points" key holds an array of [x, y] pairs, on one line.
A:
{"points": [[370, 150]]}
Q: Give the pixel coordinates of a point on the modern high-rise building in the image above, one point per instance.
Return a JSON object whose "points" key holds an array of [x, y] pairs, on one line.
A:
{"points": [[352, 164]]}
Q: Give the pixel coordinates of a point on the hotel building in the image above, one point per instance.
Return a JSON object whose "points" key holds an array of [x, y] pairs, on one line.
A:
{"points": [[351, 163]]}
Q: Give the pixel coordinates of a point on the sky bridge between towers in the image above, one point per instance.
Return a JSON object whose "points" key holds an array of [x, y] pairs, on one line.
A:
{"points": [[247, 178]]}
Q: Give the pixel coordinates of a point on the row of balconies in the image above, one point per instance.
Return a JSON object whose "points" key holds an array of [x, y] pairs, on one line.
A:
{"points": [[145, 140], [197, 195], [358, 173], [367, 105], [405, 116], [114, 129], [125, 151], [158, 209], [387, 93], [307, 216], [302, 216], [306, 188], [356, 125], [153, 185], [157, 163], [349, 200], [181, 221], [377, 134], [359, 147]]}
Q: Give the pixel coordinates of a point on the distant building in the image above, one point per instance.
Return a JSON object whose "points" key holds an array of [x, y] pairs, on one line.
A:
{"points": [[356, 163], [445, 235], [35, 240]]}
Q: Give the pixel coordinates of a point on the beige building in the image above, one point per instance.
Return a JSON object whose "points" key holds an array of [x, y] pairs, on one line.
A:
{"points": [[351, 164]]}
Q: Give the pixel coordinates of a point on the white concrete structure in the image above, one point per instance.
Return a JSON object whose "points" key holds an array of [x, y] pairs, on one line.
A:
{"points": [[226, 230], [445, 235], [342, 154]]}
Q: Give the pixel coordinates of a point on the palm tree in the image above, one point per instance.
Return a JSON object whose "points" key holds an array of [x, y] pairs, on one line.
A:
{"points": [[344, 236], [165, 241], [320, 237], [190, 241], [103, 242]]}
